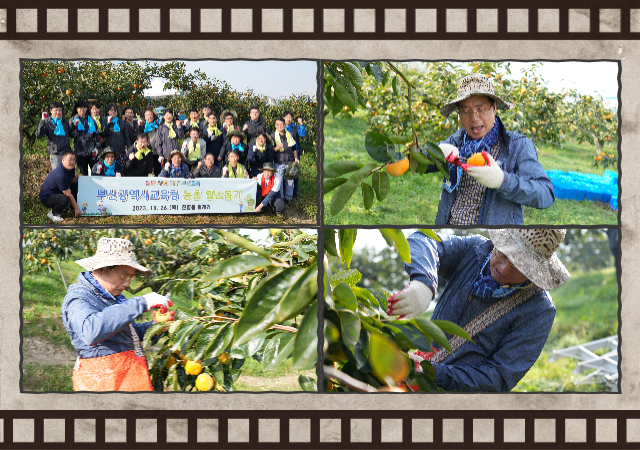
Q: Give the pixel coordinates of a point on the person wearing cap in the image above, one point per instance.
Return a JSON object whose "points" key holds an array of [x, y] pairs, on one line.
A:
{"points": [[176, 168], [139, 159], [167, 137], [85, 134], [260, 152], [113, 131], [256, 124], [194, 122], [53, 127], [108, 164], [208, 169], [286, 153], [60, 188], [235, 169], [268, 191], [101, 321], [494, 194], [496, 289], [194, 148], [212, 135], [234, 140]]}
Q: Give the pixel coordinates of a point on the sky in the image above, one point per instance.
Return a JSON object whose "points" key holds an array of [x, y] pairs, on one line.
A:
{"points": [[271, 78]]}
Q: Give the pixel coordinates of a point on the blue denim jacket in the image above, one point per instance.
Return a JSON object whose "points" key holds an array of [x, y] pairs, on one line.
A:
{"points": [[527, 184], [97, 322], [504, 351]]}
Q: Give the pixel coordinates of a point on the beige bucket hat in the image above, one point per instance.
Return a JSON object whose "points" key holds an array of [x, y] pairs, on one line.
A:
{"points": [[474, 84], [532, 251], [113, 252]]}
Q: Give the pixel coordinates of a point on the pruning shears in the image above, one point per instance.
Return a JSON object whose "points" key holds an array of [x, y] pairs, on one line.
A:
{"points": [[461, 162]]}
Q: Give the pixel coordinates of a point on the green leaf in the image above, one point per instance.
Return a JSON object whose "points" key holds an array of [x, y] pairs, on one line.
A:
{"points": [[414, 334], [340, 168], [154, 329], [354, 74], [420, 157], [220, 342], [378, 146], [397, 236], [242, 242], [441, 169], [428, 369], [386, 359], [344, 192], [344, 296], [432, 330], [382, 296], [250, 348], [277, 350], [349, 276], [330, 242], [183, 313], [367, 196], [207, 305], [365, 296], [259, 311], [205, 341], [381, 184], [349, 328], [432, 234], [181, 336], [340, 91], [376, 71], [425, 383], [299, 296], [401, 139], [396, 89], [385, 77], [305, 348], [434, 151], [452, 328], [361, 351], [235, 266], [218, 373], [307, 383], [347, 237]]}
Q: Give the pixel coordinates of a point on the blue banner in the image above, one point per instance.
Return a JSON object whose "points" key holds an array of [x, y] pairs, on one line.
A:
{"points": [[117, 196]]}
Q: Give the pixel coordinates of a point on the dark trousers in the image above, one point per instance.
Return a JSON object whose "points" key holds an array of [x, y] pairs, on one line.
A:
{"points": [[83, 164], [157, 167], [57, 203]]}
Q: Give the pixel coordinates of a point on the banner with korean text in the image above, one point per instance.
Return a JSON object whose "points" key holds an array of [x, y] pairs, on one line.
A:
{"points": [[117, 196]]}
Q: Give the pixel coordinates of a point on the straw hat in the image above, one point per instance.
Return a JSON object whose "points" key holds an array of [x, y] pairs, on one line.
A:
{"points": [[474, 84], [532, 251], [113, 252]]}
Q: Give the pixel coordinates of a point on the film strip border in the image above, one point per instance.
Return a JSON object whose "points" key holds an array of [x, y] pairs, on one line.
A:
{"points": [[320, 429], [548, 20]]}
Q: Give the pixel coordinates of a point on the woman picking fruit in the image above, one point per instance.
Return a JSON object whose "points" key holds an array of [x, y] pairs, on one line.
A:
{"points": [[495, 193], [101, 321]]}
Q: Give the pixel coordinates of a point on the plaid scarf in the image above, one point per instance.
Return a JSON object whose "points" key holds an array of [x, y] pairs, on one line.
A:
{"points": [[469, 147], [487, 288]]}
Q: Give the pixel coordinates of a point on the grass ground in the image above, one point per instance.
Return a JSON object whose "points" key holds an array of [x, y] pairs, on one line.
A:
{"points": [[49, 356], [36, 166], [415, 197]]}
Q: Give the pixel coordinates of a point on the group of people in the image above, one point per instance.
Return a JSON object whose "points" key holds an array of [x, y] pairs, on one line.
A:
{"points": [[190, 147]]}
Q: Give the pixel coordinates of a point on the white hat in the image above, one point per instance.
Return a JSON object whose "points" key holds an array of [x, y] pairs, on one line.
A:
{"points": [[532, 251], [113, 252]]}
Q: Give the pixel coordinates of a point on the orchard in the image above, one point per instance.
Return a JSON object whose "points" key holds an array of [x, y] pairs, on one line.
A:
{"points": [[401, 102], [243, 300]]}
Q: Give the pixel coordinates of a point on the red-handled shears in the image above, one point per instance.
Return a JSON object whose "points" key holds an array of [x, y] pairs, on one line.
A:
{"points": [[457, 161]]}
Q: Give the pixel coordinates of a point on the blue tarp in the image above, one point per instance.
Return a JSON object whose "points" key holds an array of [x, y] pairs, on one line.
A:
{"points": [[586, 186]]}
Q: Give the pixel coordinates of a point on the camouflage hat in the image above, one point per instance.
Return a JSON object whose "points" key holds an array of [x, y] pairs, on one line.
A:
{"points": [[292, 172]]}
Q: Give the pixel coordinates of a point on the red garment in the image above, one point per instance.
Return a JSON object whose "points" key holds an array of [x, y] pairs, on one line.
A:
{"points": [[118, 372], [267, 188]]}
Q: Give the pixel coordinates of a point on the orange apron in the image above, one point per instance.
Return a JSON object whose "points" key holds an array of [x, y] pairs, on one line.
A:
{"points": [[118, 372]]}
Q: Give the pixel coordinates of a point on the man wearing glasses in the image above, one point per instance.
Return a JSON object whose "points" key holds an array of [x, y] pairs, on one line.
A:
{"points": [[496, 290], [496, 193], [101, 321]]}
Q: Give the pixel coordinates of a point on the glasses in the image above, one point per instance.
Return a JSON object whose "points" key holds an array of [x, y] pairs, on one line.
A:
{"points": [[128, 278], [482, 111], [502, 259]]}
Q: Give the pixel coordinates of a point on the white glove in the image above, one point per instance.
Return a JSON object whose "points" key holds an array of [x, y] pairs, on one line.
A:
{"points": [[131, 156], [490, 176], [118, 174], [151, 175], [160, 159], [45, 115], [411, 301], [224, 170], [155, 300], [99, 169], [94, 153], [417, 359], [450, 152], [109, 119], [166, 166]]}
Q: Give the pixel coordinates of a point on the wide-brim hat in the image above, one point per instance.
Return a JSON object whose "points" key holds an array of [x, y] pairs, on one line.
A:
{"points": [[226, 112], [268, 166], [532, 251], [235, 132], [113, 252], [106, 150], [474, 84], [176, 152]]}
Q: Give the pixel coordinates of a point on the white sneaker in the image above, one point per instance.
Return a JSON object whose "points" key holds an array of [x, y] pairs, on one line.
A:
{"points": [[53, 217]]}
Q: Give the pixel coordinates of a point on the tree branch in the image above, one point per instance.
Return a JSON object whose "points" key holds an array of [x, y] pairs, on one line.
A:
{"points": [[348, 381]]}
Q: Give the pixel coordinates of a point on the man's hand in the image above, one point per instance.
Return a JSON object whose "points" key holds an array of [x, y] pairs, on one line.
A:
{"points": [[490, 176], [297, 160], [77, 211], [131, 156], [155, 300], [411, 301], [224, 170], [160, 160], [300, 120], [166, 166], [94, 153], [259, 207], [449, 151], [109, 119], [199, 164], [244, 128]]}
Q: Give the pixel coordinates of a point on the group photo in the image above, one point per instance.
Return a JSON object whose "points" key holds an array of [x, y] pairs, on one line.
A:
{"points": [[102, 139]]}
